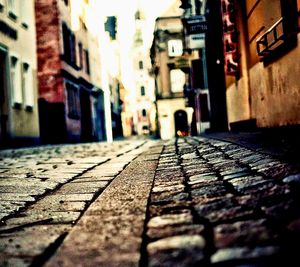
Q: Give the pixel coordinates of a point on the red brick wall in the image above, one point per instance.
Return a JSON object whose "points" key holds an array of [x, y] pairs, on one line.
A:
{"points": [[49, 63]]}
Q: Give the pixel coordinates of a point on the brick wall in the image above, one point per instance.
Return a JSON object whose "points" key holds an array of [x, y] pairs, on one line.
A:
{"points": [[49, 63]]}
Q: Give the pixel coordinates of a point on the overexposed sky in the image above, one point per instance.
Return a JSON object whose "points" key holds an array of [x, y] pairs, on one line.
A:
{"points": [[125, 10]]}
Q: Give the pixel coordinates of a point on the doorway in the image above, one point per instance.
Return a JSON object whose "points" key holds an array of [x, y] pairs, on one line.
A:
{"points": [[86, 115], [181, 123]]}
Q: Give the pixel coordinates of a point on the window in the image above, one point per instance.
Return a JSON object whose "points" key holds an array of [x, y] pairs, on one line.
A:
{"points": [[143, 91], [15, 82], [12, 6], [69, 44], [66, 41], [141, 65], [87, 62], [1, 5], [144, 112], [177, 80], [25, 13], [80, 49], [175, 48], [73, 101], [28, 89], [72, 48]]}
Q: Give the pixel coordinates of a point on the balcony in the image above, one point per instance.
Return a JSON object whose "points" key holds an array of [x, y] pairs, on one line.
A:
{"points": [[271, 39]]}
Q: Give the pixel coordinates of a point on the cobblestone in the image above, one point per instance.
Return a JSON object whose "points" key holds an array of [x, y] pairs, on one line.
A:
{"points": [[193, 201]]}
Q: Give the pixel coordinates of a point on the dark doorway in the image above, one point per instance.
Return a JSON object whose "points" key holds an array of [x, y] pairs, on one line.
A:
{"points": [[215, 67], [181, 123], [86, 115], [100, 132], [3, 96]]}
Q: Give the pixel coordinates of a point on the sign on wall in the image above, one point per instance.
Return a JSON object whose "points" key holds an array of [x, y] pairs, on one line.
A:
{"points": [[195, 28], [230, 37]]}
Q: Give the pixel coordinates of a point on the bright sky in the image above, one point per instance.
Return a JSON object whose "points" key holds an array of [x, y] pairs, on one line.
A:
{"points": [[125, 10]]}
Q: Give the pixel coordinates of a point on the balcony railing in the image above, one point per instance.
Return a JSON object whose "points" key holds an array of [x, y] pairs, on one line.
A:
{"points": [[271, 39]]}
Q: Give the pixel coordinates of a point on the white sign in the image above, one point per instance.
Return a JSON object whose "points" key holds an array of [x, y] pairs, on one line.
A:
{"points": [[196, 41]]}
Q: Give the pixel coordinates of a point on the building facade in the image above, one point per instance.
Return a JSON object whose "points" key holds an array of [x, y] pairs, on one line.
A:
{"points": [[71, 102], [19, 123], [144, 110], [171, 69], [263, 88]]}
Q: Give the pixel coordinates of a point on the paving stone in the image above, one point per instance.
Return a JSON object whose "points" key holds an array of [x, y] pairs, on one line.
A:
{"points": [[16, 197], [278, 172], [283, 212], [217, 189], [170, 207], [168, 197], [243, 253], [182, 250], [26, 189], [59, 205], [292, 179], [245, 183], [231, 171], [212, 155], [82, 188], [92, 179], [7, 261], [206, 206], [3, 215], [203, 176], [30, 242], [189, 156], [184, 217], [227, 214], [168, 188], [236, 175], [195, 186], [244, 233], [262, 162], [11, 206], [70, 197], [177, 229], [32, 216]]}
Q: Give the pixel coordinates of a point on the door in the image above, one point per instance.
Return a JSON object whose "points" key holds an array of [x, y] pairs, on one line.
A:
{"points": [[181, 123], [86, 115]]}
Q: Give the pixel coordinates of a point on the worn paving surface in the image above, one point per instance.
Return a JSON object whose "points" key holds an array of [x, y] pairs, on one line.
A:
{"points": [[188, 202]]}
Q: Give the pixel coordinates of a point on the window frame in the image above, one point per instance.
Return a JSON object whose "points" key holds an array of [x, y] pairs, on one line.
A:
{"points": [[143, 90], [15, 81], [175, 47], [13, 9], [73, 100], [27, 86]]}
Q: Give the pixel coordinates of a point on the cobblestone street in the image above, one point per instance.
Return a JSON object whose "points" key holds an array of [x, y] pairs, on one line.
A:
{"points": [[192, 201]]}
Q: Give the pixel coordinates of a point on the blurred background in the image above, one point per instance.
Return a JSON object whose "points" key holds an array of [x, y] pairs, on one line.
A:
{"points": [[94, 70]]}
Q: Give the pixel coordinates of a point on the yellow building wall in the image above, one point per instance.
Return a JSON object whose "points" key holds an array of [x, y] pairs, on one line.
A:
{"points": [[268, 93], [275, 91], [22, 123]]}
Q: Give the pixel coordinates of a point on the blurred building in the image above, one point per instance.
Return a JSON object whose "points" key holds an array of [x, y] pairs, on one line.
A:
{"points": [[113, 73], [262, 51], [142, 102], [198, 92], [18, 78], [73, 107], [172, 68]]}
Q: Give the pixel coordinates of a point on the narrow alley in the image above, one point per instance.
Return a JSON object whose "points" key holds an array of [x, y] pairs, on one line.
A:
{"points": [[193, 201]]}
